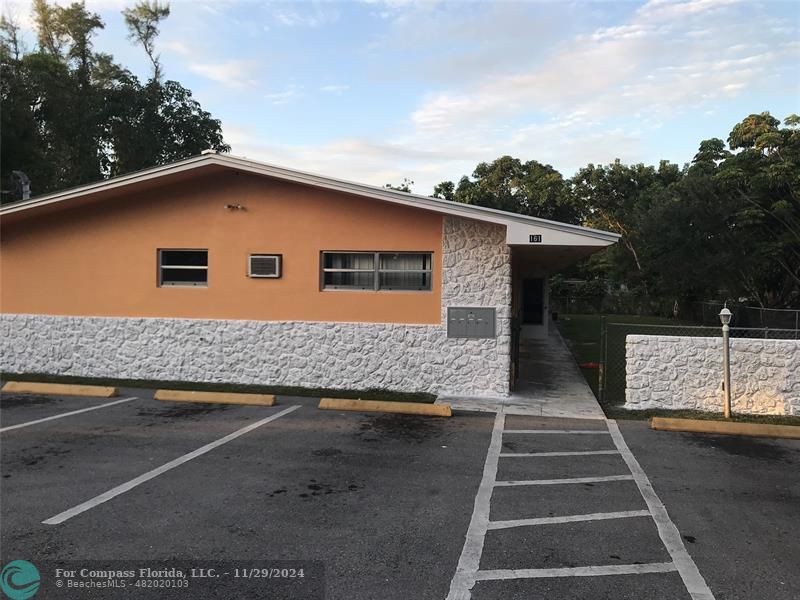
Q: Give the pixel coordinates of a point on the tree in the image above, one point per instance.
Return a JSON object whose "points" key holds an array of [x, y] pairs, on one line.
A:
{"points": [[49, 31], [727, 225], [507, 183], [405, 186], [71, 115], [617, 197], [445, 190], [142, 21], [731, 227], [79, 26], [158, 122], [761, 183]]}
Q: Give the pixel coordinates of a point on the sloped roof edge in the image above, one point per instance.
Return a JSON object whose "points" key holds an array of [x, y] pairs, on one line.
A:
{"points": [[469, 211]]}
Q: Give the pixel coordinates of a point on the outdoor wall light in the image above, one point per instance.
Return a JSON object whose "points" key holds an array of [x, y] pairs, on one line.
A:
{"points": [[725, 318]]}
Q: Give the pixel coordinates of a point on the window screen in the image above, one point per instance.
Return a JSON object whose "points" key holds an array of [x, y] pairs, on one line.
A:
{"points": [[183, 267], [376, 270], [404, 271], [348, 270]]}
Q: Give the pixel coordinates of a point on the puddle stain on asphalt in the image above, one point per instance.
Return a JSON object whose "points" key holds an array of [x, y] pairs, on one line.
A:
{"points": [[314, 488], [743, 446], [188, 411], [19, 400], [326, 452], [34, 456], [408, 428]]}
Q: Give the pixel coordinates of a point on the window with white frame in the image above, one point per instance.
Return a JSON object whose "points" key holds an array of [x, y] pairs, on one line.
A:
{"points": [[183, 268], [410, 271]]}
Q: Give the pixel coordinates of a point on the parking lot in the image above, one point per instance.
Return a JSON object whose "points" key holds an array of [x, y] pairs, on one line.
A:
{"points": [[392, 506]]}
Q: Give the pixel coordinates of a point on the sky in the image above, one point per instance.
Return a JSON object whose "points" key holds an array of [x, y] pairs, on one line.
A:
{"points": [[381, 90]]}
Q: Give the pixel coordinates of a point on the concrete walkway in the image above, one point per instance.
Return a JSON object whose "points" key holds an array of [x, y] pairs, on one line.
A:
{"points": [[550, 385]]}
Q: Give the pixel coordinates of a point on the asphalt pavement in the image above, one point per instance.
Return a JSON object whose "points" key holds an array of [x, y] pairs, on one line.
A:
{"points": [[379, 506]]}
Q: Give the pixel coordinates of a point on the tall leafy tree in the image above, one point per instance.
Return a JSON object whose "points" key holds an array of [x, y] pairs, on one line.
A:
{"points": [[529, 188], [617, 197], [71, 115], [761, 180], [142, 21], [49, 30], [160, 121]]}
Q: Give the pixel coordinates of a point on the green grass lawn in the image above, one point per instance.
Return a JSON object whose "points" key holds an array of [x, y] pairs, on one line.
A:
{"points": [[582, 334]]}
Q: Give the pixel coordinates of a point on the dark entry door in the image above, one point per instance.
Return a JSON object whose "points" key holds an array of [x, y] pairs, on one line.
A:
{"points": [[533, 301]]}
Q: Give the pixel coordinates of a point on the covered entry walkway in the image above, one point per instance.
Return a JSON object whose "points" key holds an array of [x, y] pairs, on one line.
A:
{"points": [[550, 384], [550, 381]]}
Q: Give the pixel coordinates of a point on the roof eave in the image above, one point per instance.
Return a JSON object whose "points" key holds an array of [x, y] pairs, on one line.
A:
{"points": [[414, 200]]}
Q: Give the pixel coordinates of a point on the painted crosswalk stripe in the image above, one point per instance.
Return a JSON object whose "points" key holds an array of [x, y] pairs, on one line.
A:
{"points": [[594, 571], [626, 514], [548, 454], [559, 431], [571, 480]]}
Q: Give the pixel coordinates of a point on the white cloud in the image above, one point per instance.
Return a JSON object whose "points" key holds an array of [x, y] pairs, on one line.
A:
{"points": [[231, 73], [609, 72], [178, 47], [301, 15], [360, 159], [592, 96], [336, 89], [286, 96]]}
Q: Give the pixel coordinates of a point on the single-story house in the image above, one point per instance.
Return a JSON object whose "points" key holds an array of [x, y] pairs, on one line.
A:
{"points": [[224, 269]]}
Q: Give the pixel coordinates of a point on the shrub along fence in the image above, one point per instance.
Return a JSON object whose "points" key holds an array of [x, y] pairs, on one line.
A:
{"points": [[680, 367]]}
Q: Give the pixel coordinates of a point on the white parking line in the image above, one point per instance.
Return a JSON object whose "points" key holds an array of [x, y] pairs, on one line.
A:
{"points": [[635, 569], [470, 559], [565, 481], [125, 487], [670, 536], [626, 514], [66, 414], [566, 431], [546, 454]]}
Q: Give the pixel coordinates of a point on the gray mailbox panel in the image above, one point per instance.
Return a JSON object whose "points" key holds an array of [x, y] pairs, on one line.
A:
{"points": [[470, 322]]}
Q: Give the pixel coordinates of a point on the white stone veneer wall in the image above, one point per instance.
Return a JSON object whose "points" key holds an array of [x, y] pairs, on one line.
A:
{"points": [[413, 358], [686, 373]]}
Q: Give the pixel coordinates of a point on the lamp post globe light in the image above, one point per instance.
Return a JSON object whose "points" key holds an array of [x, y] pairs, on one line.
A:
{"points": [[725, 318]]}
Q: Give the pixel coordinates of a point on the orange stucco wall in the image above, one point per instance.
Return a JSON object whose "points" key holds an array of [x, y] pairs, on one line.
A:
{"points": [[101, 259]]}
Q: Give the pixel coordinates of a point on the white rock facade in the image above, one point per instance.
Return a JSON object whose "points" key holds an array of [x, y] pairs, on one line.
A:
{"points": [[686, 373], [412, 358]]}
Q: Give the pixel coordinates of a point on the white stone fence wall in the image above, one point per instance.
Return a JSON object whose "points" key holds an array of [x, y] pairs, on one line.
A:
{"points": [[676, 372]]}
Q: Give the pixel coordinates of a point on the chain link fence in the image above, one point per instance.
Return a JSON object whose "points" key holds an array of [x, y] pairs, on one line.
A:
{"points": [[707, 313], [613, 376]]}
